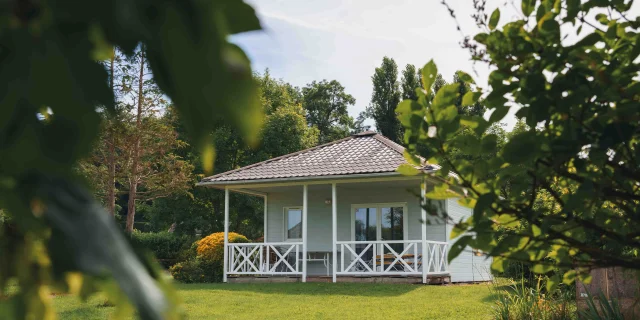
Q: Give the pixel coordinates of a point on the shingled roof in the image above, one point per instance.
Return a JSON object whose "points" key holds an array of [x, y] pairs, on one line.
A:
{"points": [[364, 153]]}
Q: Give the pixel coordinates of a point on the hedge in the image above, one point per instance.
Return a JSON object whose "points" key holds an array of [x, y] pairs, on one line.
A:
{"points": [[166, 246]]}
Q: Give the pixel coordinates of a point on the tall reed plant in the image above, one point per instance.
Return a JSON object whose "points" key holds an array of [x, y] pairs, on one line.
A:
{"points": [[517, 300]]}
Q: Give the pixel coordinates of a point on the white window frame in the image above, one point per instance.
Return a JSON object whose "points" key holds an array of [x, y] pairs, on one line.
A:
{"points": [[379, 206], [285, 217]]}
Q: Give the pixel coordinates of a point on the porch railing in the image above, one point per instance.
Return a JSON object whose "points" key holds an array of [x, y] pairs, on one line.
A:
{"points": [[401, 257], [282, 258]]}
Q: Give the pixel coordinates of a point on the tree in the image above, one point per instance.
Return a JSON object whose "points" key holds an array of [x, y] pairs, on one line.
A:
{"points": [[107, 155], [62, 236], [385, 98], [476, 109], [358, 124], [285, 130], [410, 82], [326, 105], [576, 201], [149, 161]]}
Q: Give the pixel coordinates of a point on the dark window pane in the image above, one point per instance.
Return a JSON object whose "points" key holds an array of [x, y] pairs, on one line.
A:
{"points": [[392, 226], [365, 224], [294, 224]]}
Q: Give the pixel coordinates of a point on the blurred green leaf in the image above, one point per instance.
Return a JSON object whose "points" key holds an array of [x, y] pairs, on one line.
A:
{"points": [[429, 73], [407, 170], [495, 18]]}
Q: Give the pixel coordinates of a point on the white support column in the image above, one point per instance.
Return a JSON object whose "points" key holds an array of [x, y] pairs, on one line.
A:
{"points": [[225, 260], [304, 232], [423, 188], [264, 233], [334, 227]]}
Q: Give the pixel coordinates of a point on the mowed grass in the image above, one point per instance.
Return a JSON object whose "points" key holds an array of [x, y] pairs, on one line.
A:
{"points": [[311, 301]]}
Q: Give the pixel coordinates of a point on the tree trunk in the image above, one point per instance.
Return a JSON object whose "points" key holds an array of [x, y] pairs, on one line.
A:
{"points": [[131, 206], [133, 180], [111, 162]]}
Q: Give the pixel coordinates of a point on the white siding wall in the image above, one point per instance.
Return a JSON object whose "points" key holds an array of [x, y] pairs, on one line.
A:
{"points": [[319, 214], [466, 267]]}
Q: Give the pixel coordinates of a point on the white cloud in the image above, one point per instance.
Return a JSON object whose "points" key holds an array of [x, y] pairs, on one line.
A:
{"points": [[305, 40]]}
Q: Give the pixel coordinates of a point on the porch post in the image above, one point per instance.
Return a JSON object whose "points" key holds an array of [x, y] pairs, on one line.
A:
{"points": [[225, 261], [334, 226], [423, 187], [264, 233], [304, 233]]}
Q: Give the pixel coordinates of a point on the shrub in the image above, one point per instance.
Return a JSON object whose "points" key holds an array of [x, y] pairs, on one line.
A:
{"points": [[203, 260], [211, 247], [166, 246], [519, 301], [196, 271]]}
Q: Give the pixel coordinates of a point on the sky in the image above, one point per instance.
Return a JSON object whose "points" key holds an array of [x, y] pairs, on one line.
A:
{"points": [[345, 40]]}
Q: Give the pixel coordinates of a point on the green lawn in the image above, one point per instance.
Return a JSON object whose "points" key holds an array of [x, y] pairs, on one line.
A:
{"points": [[312, 301]]}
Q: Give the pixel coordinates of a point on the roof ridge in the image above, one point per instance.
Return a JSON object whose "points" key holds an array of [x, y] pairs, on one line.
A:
{"points": [[285, 156], [397, 147], [389, 143]]}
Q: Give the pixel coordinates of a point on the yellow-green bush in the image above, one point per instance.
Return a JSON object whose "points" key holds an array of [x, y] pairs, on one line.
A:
{"points": [[211, 247], [205, 264]]}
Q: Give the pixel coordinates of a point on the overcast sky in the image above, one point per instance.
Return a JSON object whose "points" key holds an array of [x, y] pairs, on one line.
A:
{"points": [[306, 40]]}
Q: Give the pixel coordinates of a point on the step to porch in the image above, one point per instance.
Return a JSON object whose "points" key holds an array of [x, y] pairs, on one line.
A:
{"points": [[432, 279]]}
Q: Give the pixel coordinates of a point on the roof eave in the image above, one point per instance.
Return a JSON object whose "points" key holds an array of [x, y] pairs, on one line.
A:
{"points": [[296, 179]]}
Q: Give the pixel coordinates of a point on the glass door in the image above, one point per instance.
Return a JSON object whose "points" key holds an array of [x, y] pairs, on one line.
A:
{"points": [[378, 222]]}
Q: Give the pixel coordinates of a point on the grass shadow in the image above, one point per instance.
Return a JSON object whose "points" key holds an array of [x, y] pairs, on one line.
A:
{"points": [[310, 289], [86, 311]]}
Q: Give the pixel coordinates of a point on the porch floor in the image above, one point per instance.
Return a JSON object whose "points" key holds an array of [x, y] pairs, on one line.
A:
{"points": [[431, 279]]}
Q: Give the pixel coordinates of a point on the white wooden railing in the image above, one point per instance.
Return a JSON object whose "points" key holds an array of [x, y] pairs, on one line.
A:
{"points": [[380, 257], [265, 258]]}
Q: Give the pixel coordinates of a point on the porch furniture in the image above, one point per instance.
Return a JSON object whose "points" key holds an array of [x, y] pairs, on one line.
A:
{"points": [[323, 256]]}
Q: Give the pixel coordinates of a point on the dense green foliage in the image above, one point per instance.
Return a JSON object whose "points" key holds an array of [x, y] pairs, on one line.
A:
{"points": [[51, 101], [409, 82], [164, 245], [285, 130], [573, 192], [326, 105], [197, 271]]}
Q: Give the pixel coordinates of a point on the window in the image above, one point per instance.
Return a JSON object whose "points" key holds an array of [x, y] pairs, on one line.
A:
{"points": [[293, 223]]}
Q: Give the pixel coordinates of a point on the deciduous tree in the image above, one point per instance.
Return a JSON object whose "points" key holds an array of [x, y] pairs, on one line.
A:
{"points": [[326, 104]]}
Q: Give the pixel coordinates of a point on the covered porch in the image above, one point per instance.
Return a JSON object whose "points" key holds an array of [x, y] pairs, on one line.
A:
{"points": [[332, 230]]}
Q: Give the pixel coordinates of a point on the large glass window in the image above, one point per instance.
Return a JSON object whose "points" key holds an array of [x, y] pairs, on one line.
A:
{"points": [[293, 222]]}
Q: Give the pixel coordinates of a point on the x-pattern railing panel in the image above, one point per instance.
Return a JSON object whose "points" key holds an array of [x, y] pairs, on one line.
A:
{"points": [[385, 257], [264, 258], [399, 257]]}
